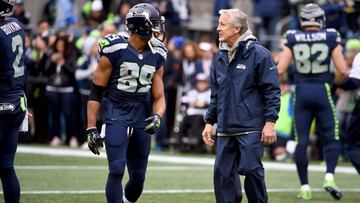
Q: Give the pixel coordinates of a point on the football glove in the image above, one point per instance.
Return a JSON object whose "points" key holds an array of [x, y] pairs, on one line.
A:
{"points": [[94, 140], [153, 124]]}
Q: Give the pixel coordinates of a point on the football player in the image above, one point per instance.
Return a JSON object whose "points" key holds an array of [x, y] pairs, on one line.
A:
{"points": [[312, 50], [12, 96], [128, 84]]}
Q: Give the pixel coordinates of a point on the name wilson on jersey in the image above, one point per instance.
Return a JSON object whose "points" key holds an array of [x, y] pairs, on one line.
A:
{"points": [[310, 37]]}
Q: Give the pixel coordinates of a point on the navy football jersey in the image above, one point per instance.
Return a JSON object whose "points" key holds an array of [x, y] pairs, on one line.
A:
{"points": [[132, 71], [311, 51], [129, 86], [12, 47]]}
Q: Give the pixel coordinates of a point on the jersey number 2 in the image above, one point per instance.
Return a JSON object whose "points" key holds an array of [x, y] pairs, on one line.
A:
{"points": [[306, 62], [17, 47]]}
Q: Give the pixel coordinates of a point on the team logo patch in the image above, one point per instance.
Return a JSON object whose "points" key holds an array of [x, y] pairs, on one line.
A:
{"points": [[241, 66], [7, 107], [103, 43]]}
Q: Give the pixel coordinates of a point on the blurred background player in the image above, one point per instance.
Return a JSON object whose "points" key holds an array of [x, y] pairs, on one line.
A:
{"points": [[130, 74], [197, 100], [12, 97], [312, 49]]}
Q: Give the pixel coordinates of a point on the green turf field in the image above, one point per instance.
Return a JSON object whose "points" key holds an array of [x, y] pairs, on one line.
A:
{"points": [[66, 179]]}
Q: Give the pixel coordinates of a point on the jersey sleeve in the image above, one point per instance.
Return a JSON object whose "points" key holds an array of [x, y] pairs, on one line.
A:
{"points": [[288, 39], [333, 38], [160, 61], [110, 44]]}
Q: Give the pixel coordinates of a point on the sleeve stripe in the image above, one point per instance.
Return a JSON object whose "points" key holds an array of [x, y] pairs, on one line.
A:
{"points": [[114, 48]]}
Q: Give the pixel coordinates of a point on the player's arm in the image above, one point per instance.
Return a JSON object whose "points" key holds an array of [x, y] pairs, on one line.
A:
{"points": [[340, 64], [100, 80], [158, 107], [284, 62], [157, 91]]}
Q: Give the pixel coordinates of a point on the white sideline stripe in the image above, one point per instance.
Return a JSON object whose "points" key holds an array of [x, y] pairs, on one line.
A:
{"points": [[72, 167], [172, 159], [274, 190]]}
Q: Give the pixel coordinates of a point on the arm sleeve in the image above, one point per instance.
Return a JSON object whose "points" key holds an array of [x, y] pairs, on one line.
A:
{"points": [[288, 40], [334, 38], [211, 113], [160, 61], [268, 81], [110, 44]]}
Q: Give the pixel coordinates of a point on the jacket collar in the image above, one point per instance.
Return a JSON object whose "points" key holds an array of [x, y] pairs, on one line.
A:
{"points": [[241, 44]]}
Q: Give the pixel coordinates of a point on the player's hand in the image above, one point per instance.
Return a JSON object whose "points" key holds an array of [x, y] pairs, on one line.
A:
{"points": [[206, 135], [94, 140], [153, 124], [268, 133]]}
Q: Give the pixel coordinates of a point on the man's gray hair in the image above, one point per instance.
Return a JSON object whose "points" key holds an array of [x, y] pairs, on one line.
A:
{"points": [[237, 18]]}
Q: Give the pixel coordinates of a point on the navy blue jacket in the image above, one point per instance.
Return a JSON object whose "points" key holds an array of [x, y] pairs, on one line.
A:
{"points": [[245, 92]]}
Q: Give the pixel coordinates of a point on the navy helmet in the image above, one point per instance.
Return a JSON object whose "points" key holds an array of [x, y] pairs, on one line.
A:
{"points": [[6, 7], [144, 19], [312, 15]]}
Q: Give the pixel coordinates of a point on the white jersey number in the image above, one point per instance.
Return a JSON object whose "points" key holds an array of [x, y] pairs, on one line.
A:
{"points": [[134, 78], [305, 64], [17, 45]]}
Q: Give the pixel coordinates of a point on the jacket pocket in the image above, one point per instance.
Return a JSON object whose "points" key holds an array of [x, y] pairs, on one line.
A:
{"points": [[253, 103]]}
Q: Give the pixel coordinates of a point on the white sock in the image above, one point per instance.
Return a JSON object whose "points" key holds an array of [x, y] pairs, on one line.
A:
{"points": [[305, 187], [125, 200], [329, 176]]}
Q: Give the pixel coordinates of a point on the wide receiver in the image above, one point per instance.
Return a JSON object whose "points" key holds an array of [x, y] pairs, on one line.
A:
{"points": [[128, 84], [312, 49]]}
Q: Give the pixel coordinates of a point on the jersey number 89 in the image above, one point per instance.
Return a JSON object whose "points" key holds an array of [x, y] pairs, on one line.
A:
{"points": [[134, 78], [309, 58]]}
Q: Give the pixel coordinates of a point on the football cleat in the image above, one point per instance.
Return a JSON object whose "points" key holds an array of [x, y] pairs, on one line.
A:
{"points": [[305, 194], [330, 187]]}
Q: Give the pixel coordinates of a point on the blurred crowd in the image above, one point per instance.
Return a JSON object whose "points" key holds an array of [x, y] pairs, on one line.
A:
{"points": [[61, 56]]}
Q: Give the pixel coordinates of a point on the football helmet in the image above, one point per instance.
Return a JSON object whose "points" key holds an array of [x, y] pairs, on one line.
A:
{"points": [[312, 15], [6, 7], [144, 19]]}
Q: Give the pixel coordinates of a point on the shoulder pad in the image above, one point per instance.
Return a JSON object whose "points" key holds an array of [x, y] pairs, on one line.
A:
{"points": [[289, 33], [111, 43], [157, 46], [334, 33]]}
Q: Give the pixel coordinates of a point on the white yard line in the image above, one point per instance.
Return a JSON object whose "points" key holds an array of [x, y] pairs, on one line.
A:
{"points": [[79, 167], [173, 191], [172, 159]]}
